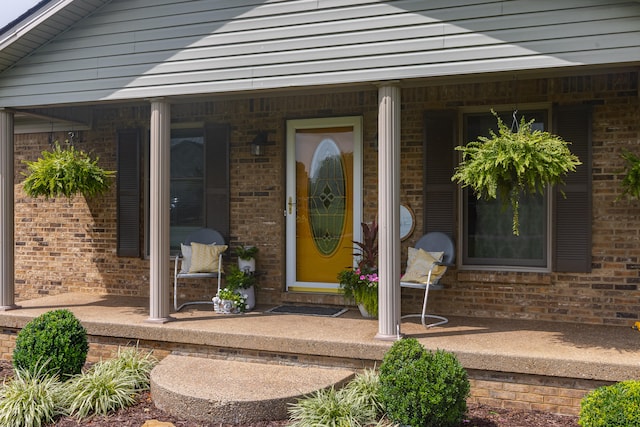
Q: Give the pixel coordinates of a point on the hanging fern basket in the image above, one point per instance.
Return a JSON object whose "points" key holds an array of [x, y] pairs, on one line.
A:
{"points": [[66, 172], [631, 180], [511, 163]]}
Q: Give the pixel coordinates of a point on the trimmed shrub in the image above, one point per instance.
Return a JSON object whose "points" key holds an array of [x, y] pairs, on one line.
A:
{"points": [[55, 340], [615, 405], [423, 388]]}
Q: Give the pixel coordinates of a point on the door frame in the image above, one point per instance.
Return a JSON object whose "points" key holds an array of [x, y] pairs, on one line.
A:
{"points": [[290, 168]]}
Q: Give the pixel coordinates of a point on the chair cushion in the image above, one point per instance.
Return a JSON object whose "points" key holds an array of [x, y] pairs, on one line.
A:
{"points": [[419, 263], [204, 258], [186, 258]]}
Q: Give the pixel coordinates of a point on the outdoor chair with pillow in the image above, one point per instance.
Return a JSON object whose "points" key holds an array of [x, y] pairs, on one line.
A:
{"points": [[426, 264], [200, 258]]}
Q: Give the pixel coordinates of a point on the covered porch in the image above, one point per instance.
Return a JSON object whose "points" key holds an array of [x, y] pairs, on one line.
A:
{"points": [[539, 365]]}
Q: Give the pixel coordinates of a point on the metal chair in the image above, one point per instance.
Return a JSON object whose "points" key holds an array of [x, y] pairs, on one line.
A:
{"points": [[432, 242], [205, 236]]}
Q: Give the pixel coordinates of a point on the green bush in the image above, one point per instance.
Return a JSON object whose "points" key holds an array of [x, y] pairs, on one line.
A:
{"points": [[55, 339], [615, 405], [423, 388]]}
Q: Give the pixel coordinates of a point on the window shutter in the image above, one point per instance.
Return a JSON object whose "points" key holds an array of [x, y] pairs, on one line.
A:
{"points": [[128, 193], [217, 178], [439, 162], [572, 213]]}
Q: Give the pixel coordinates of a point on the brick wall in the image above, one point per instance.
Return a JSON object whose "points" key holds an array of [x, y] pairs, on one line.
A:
{"points": [[69, 245]]}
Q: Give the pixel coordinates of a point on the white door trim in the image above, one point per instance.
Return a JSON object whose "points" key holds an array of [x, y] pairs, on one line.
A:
{"points": [[290, 210]]}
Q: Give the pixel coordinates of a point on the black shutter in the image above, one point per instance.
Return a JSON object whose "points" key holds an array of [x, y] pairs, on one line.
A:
{"points": [[128, 193], [572, 213], [217, 178], [439, 162]]}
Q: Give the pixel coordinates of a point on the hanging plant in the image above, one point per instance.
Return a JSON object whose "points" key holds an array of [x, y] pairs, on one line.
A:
{"points": [[631, 181], [509, 164], [66, 172]]}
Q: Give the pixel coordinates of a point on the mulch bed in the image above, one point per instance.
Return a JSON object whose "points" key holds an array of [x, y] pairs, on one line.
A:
{"points": [[144, 410]]}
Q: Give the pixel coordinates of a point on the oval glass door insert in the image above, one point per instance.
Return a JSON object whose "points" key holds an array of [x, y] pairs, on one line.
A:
{"points": [[327, 197]]}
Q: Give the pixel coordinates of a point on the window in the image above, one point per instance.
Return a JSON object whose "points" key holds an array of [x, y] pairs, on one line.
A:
{"points": [[558, 226], [199, 189], [488, 239], [187, 208]]}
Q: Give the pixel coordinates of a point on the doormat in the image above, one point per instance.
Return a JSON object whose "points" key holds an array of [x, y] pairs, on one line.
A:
{"points": [[308, 310]]}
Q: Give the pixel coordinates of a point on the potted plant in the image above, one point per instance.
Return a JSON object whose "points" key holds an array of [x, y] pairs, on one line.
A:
{"points": [[242, 281], [66, 172], [246, 257], [361, 283], [631, 181], [509, 164], [230, 301]]}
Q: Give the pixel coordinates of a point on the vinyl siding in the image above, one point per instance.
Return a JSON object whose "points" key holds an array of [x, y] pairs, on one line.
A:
{"points": [[141, 48]]}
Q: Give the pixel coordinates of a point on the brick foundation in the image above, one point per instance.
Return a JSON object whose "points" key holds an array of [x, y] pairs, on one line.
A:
{"points": [[496, 389]]}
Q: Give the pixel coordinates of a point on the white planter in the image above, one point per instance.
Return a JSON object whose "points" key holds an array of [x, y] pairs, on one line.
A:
{"points": [[227, 307], [251, 297], [224, 306], [247, 264], [365, 313]]}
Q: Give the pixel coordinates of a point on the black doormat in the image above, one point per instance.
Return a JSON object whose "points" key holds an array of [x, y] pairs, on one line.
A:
{"points": [[309, 310]]}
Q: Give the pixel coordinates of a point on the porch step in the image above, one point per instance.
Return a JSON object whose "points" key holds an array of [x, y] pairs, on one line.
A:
{"points": [[234, 392]]}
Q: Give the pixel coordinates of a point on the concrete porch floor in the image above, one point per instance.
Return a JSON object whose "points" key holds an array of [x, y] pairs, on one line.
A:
{"points": [[501, 347]]}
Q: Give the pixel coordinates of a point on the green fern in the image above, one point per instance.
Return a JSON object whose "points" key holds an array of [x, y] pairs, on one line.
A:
{"points": [[66, 172], [509, 164], [631, 180]]}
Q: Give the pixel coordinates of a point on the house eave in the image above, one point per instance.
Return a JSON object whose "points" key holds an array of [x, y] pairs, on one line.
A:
{"points": [[39, 25]]}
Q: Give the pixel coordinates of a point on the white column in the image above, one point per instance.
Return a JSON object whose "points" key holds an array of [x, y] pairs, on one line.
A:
{"points": [[159, 177], [389, 212], [7, 267]]}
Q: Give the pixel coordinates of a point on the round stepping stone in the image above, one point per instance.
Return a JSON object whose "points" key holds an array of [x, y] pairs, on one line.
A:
{"points": [[233, 392]]}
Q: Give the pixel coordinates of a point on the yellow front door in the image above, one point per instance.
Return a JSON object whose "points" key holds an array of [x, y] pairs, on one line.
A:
{"points": [[323, 201]]}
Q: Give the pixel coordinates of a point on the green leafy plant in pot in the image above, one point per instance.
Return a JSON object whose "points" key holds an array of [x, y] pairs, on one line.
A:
{"points": [[242, 283], [246, 257], [361, 283], [66, 172], [631, 180], [509, 164]]}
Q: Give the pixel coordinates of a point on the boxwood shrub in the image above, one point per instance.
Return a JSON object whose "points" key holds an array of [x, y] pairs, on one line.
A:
{"points": [[614, 405], [55, 339], [423, 388]]}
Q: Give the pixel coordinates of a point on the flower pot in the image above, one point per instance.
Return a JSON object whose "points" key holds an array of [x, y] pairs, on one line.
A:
{"points": [[365, 313], [247, 265], [225, 306], [251, 297]]}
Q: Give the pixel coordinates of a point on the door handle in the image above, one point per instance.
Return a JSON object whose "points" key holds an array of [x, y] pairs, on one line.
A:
{"points": [[291, 204]]}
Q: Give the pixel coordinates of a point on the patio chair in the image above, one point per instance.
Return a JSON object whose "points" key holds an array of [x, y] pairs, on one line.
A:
{"points": [[427, 263], [200, 258]]}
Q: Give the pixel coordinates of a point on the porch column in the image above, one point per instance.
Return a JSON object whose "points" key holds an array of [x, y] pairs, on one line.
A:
{"points": [[159, 181], [389, 211], [7, 267]]}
